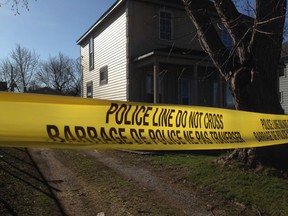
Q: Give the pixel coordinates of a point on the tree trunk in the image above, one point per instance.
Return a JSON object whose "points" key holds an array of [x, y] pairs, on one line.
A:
{"points": [[257, 94], [250, 67]]}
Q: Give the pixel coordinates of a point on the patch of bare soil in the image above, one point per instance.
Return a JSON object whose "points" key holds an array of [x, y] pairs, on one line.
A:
{"points": [[120, 183]]}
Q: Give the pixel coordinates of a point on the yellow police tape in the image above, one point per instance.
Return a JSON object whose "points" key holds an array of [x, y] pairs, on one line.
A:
{"points": [[29, 120]]}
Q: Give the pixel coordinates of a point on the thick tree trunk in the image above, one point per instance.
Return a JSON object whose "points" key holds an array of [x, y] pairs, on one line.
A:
{"points": [[250, 68], [257, 94]]}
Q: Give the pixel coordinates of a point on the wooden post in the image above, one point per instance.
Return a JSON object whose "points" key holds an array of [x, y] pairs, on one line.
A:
{"points": [[155, 82]]}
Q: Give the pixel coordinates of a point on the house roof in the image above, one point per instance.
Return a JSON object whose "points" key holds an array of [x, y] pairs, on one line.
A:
{"points": [[114, 7], [99, 21]]}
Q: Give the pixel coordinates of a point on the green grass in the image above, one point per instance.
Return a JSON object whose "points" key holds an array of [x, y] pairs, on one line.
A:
{"points": [[23, 191], [261, 192]]}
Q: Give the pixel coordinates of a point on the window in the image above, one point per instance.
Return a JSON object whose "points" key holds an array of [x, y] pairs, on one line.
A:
{"points": [[91, 53], [149, 88], [89, 89], [103, 75], [281, 93], [226, 38], [186, 92], [165, 25], [229, 99]]}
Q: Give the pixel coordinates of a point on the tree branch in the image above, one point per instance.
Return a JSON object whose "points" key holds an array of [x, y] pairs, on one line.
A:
{"points": [[236, 24], [210, 40], [267, 34]]}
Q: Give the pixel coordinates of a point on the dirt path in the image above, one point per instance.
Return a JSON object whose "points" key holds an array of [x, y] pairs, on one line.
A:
{"points": [[138, 190], [168, 193], [69, 189]]}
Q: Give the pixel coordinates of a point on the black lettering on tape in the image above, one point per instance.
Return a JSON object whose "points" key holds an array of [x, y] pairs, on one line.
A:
{"points": [[120, 115], [195, 120], [115, 136], [213, 121], [104, 136], [181, 118], [203, 137], [81, 134], [223, 137], [68, 135], [121, 132], [112, 110], [92, 133], [138, 137], [189, 137], [127, 122], [140, 115], [53, 133], [146, 115], [164, 118], [135, 136]]}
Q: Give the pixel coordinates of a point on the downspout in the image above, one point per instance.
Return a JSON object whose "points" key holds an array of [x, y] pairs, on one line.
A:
{"points": [[129, 35], [155, 82]]}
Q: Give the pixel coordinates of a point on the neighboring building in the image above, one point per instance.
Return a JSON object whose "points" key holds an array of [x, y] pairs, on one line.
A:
{"points": [[283, 80], [144, 50], [46, 90], [3, 86]]}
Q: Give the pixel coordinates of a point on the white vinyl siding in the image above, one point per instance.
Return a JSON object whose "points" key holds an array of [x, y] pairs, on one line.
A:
{"points": [[110, 51]]}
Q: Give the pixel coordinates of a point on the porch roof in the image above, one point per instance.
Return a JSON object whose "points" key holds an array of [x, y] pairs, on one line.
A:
{"points": [[173, 55]]}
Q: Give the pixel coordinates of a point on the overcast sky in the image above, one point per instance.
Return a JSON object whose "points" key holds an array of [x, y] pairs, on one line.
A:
{"points": [[50, 26]]}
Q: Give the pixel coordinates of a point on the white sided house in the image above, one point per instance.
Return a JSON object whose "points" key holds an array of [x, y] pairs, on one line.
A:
{"points": [[147, 50]]}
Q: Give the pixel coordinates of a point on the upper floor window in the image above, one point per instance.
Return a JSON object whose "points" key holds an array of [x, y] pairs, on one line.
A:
{"points": [[226, 38], [103, 75], [91, 53], [165, 25]]}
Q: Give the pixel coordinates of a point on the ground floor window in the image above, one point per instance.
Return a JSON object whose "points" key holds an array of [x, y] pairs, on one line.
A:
{"points": [[149, 90], [186, 96], [89, 89]]}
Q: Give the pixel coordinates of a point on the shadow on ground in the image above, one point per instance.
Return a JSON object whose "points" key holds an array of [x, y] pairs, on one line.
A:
{"points": [[24, 191]]}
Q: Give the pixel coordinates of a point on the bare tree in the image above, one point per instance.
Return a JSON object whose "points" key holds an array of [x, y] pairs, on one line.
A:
{"points": [[7, 74], [250, 67], [75, 82], [15, 4], [60, 73], [24, 63]]}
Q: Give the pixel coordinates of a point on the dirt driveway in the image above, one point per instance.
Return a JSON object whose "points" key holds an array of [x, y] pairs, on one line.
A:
{"points": [[120, 183]]}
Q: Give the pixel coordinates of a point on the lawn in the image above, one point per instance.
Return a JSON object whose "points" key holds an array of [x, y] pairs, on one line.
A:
{"points": [[263, 191]]}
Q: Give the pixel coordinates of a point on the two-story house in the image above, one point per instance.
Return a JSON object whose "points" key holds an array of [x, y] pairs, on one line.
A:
{"points": [[148, 51]]}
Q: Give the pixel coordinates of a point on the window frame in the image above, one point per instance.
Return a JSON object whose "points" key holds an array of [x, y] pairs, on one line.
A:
{"points": [[91, 53], [89, 93], [161, 37], [103, 80], [281, 97]]}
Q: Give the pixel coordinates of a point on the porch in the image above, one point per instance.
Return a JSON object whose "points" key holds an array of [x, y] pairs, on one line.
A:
{"points": [[179, 76]]}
